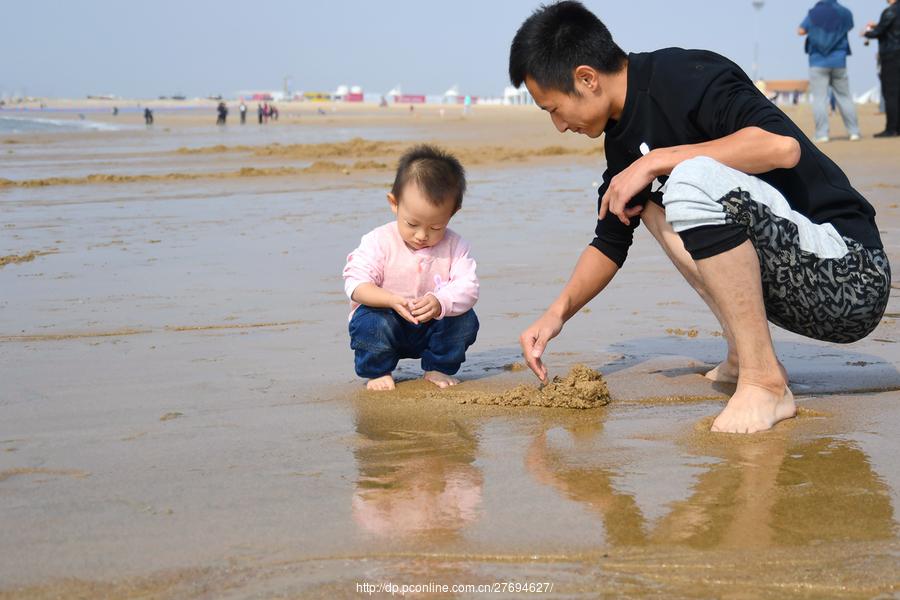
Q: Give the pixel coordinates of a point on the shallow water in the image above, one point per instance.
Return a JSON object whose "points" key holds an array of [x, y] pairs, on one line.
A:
{"points": [[179, 412]]}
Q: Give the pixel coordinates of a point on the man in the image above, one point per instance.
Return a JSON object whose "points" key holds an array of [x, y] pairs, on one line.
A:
{"points": [[756, 218], [887, 32], [825, 27]]}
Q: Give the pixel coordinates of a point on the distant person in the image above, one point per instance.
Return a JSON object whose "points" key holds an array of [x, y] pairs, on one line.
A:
{"points": [[267, 112], [243, 110], [467, 104], [148, 116], [383, 102], [222, 111], [825, 27], [887, 32], [756, 218], [259, 113], [115, 111], [412, 282], [273, 110]]}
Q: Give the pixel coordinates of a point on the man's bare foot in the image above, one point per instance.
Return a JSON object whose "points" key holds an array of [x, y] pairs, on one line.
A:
{"points": [[383, 383], [754, 408], [727, 372], [439, 379]]}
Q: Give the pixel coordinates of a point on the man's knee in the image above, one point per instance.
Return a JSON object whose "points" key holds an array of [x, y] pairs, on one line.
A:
{"points": [[693, 191], [693, 204]]}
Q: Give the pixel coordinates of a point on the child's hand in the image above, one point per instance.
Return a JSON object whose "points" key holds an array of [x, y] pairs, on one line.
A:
{"points": [[426, 308], [402, 307]]}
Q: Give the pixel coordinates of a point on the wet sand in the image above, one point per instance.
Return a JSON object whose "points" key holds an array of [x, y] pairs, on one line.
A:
{"points": [[179, 415]]}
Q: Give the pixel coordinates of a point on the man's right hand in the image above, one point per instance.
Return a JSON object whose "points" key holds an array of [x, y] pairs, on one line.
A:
{"points": [[534, 340]]}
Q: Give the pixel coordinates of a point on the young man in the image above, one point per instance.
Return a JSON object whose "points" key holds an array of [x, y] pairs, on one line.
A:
{"points": [[825, 27], [756, 218]]}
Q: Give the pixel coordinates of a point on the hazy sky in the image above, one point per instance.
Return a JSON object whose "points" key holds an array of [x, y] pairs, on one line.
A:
{"points": [[200, 47]]}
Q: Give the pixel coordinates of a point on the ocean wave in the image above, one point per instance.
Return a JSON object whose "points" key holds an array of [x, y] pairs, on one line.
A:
{"points": [[10, 124]]}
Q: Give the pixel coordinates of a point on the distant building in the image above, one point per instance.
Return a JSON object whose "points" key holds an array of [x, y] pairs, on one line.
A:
{"points": [[785, 91], [348, 94], [316, 96], [513, 95]]}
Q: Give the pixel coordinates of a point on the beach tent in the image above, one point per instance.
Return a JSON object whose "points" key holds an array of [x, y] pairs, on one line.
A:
{"points": [[871, 96], [451, 96]]}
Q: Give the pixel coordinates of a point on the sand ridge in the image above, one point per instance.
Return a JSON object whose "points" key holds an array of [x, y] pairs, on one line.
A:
{"points": [[13, 259]]}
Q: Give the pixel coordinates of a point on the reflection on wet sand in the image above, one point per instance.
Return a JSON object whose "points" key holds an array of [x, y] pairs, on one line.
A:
{"points": [[760, 493], [416, 474]]}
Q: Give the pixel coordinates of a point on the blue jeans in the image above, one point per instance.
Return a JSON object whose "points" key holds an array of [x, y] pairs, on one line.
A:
{"points": [[380, 337]]}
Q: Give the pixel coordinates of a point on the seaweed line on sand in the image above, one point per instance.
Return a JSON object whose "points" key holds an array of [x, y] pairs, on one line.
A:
{"points": [[12, 259]]}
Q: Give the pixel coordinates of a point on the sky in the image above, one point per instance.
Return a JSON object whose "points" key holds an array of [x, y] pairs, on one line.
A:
{"points": [[72, 48]]}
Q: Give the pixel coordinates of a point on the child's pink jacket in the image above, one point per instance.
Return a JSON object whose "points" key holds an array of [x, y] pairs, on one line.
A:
{"points": [[444, 270]]}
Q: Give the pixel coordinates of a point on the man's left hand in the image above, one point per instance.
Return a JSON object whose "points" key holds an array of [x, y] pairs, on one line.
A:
{"points": [[625, 186]]}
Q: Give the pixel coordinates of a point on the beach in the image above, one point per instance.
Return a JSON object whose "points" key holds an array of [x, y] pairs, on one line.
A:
{"points": [[180, 416]]}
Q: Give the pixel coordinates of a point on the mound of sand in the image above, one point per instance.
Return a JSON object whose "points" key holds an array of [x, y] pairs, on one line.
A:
{"points": [[583, 387]]}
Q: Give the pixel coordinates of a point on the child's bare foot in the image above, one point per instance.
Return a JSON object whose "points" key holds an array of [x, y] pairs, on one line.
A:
{"points": [[439, 379], [754, 408], [383, 383]]}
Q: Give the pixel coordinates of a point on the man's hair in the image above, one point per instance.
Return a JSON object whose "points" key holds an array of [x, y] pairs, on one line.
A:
{"points": [[555, 40], [438, 174]]}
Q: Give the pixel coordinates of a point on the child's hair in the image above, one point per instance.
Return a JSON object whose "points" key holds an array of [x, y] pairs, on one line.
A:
{"points": [[438, 174]]}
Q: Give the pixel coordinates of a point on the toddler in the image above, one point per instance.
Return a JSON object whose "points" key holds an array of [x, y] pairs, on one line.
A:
{"points": [[411, 282]]}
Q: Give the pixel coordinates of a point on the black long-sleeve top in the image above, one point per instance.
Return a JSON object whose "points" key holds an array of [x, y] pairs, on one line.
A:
{"points": [[676, 97], [887, 31]]}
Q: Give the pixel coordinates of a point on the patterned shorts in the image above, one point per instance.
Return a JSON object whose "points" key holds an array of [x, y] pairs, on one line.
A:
{"points": [[815, 282], [832, 299]]}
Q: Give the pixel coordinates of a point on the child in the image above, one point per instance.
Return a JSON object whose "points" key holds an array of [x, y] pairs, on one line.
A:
{"points": [[411, 282]]}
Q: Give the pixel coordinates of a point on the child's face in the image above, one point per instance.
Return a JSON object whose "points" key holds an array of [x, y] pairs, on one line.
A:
{"points": [[421, 223]]}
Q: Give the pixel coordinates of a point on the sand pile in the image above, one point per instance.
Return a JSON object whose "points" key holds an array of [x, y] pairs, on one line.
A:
{"points": [[583, 387]]}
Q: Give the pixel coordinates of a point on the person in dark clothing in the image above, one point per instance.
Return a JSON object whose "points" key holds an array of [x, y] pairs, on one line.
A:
{"points": [[887, 32], [222, 111], [259, 113], [759, 221], [243, 110], [148, 116]]}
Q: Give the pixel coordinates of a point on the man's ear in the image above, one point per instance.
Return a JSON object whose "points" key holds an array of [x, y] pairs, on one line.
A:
{"points": [[586, 77], [392, 200]]}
